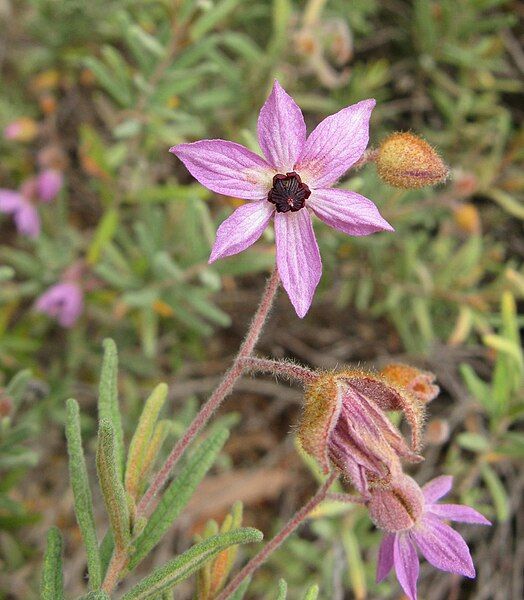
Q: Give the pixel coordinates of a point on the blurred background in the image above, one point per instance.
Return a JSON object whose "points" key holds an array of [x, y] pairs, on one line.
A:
{"points": [[93, 94]]}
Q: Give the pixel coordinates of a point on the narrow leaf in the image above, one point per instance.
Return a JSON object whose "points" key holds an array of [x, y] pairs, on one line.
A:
{"points": [[111, 485], [178, 494], [108, 398], [186, 564], [142, 438], [312, 593], [83, 500], [241, 590], [97, 595], [282, 590], [497, 491], [52, 587]]}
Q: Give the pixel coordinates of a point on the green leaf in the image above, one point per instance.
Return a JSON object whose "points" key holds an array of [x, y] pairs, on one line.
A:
{"points": [[52, 587], [139, 445], [178, 494], [108, 399], [476, 387], [472, 441], [103, 235], [312, 593], [497, 491], [83, 501], [111, 485], [189, 562], [97, 595], [18, 384], [356, 572], [282, 590], [211, 18]]}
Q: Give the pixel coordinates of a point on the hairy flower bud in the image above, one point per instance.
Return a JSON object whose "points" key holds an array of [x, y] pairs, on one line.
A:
{"points": [[407, 161], [397, 506], [467, 218], [419, 383], [344, 424]]}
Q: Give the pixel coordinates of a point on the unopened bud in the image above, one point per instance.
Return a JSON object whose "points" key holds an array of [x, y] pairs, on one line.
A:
{"points": [[21, 130], [467, 218], [407, 161], [398, 506], [419, 383], [6, 404]]}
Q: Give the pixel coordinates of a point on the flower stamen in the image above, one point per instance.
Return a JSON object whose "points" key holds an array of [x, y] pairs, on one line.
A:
{"points": [[288, 192]]}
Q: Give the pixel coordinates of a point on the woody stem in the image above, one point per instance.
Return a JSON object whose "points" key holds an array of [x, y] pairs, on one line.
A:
{"points": [[298, 518]]}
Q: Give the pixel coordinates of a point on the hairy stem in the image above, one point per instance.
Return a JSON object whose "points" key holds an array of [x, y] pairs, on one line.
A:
{"points": [[116, 566], [288, 370], [298, 518], [216, 399]]}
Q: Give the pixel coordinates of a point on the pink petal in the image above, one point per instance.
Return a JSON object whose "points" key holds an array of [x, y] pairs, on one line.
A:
{"points": [[298, 259], [336, 144], [406, 564], [227, 168], [49, 183], [458, 512], [443, 547], [27, 220], [437, 488], [10, 201], [242, 229], [281, 130], [385, 556], [347, 211]]}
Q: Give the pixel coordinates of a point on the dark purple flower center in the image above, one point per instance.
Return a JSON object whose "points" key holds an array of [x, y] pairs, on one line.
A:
{"points": [[288, 192]]}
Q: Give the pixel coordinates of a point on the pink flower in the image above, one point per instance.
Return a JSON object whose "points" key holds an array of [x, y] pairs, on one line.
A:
{"points": [[63, 301], [48, 183], [293, 181], [423, 527], [23, 211]]}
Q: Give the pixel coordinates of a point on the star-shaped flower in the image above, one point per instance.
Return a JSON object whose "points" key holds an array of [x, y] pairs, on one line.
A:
{"points": [[443, 547], [293, 181]]}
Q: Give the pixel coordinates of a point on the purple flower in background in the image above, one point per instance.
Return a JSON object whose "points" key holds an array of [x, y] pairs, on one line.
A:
{"points": [[62, 301], [424, 528], [291, 182], [23, 211], [48, 183]]}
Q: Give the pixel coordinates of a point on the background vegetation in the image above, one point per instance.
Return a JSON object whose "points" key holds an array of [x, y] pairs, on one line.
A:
{"points": [[108, 86]]}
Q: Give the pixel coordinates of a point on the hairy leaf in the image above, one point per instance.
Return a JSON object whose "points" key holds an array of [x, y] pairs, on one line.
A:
{"points": [[83, 500], [111, 485], [178, 494], [190, 561], [52, 587]]}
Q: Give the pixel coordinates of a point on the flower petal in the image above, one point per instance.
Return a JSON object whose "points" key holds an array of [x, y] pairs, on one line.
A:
{"points": [[298, 258], [443, 547], [241, 229], [281, 130], [27, 220], [10, 201], [336, 144], [406, 564], [385, 556], [458, 512], [347, 211], [437, 488], [226, 168]]}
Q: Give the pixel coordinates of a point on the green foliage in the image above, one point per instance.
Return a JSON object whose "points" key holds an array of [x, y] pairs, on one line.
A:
{"points": [[178, 493], [82, 493], [164, 578], [52, 579]]}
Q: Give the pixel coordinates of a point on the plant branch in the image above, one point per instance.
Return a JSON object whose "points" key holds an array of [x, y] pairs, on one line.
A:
{"points": [[299, 517], [288, 370], [216, 399]]}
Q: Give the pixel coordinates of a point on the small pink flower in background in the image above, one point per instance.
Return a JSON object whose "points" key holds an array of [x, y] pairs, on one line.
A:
{"points": [[49, 182], [23, 130], [62, 301], [23, 211], [421, 526], [291, 183]]}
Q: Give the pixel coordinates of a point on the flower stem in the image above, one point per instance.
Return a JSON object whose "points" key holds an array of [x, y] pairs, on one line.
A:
{"points": [[116, 565], [298, 518], [215, 400], [288, 370]]}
